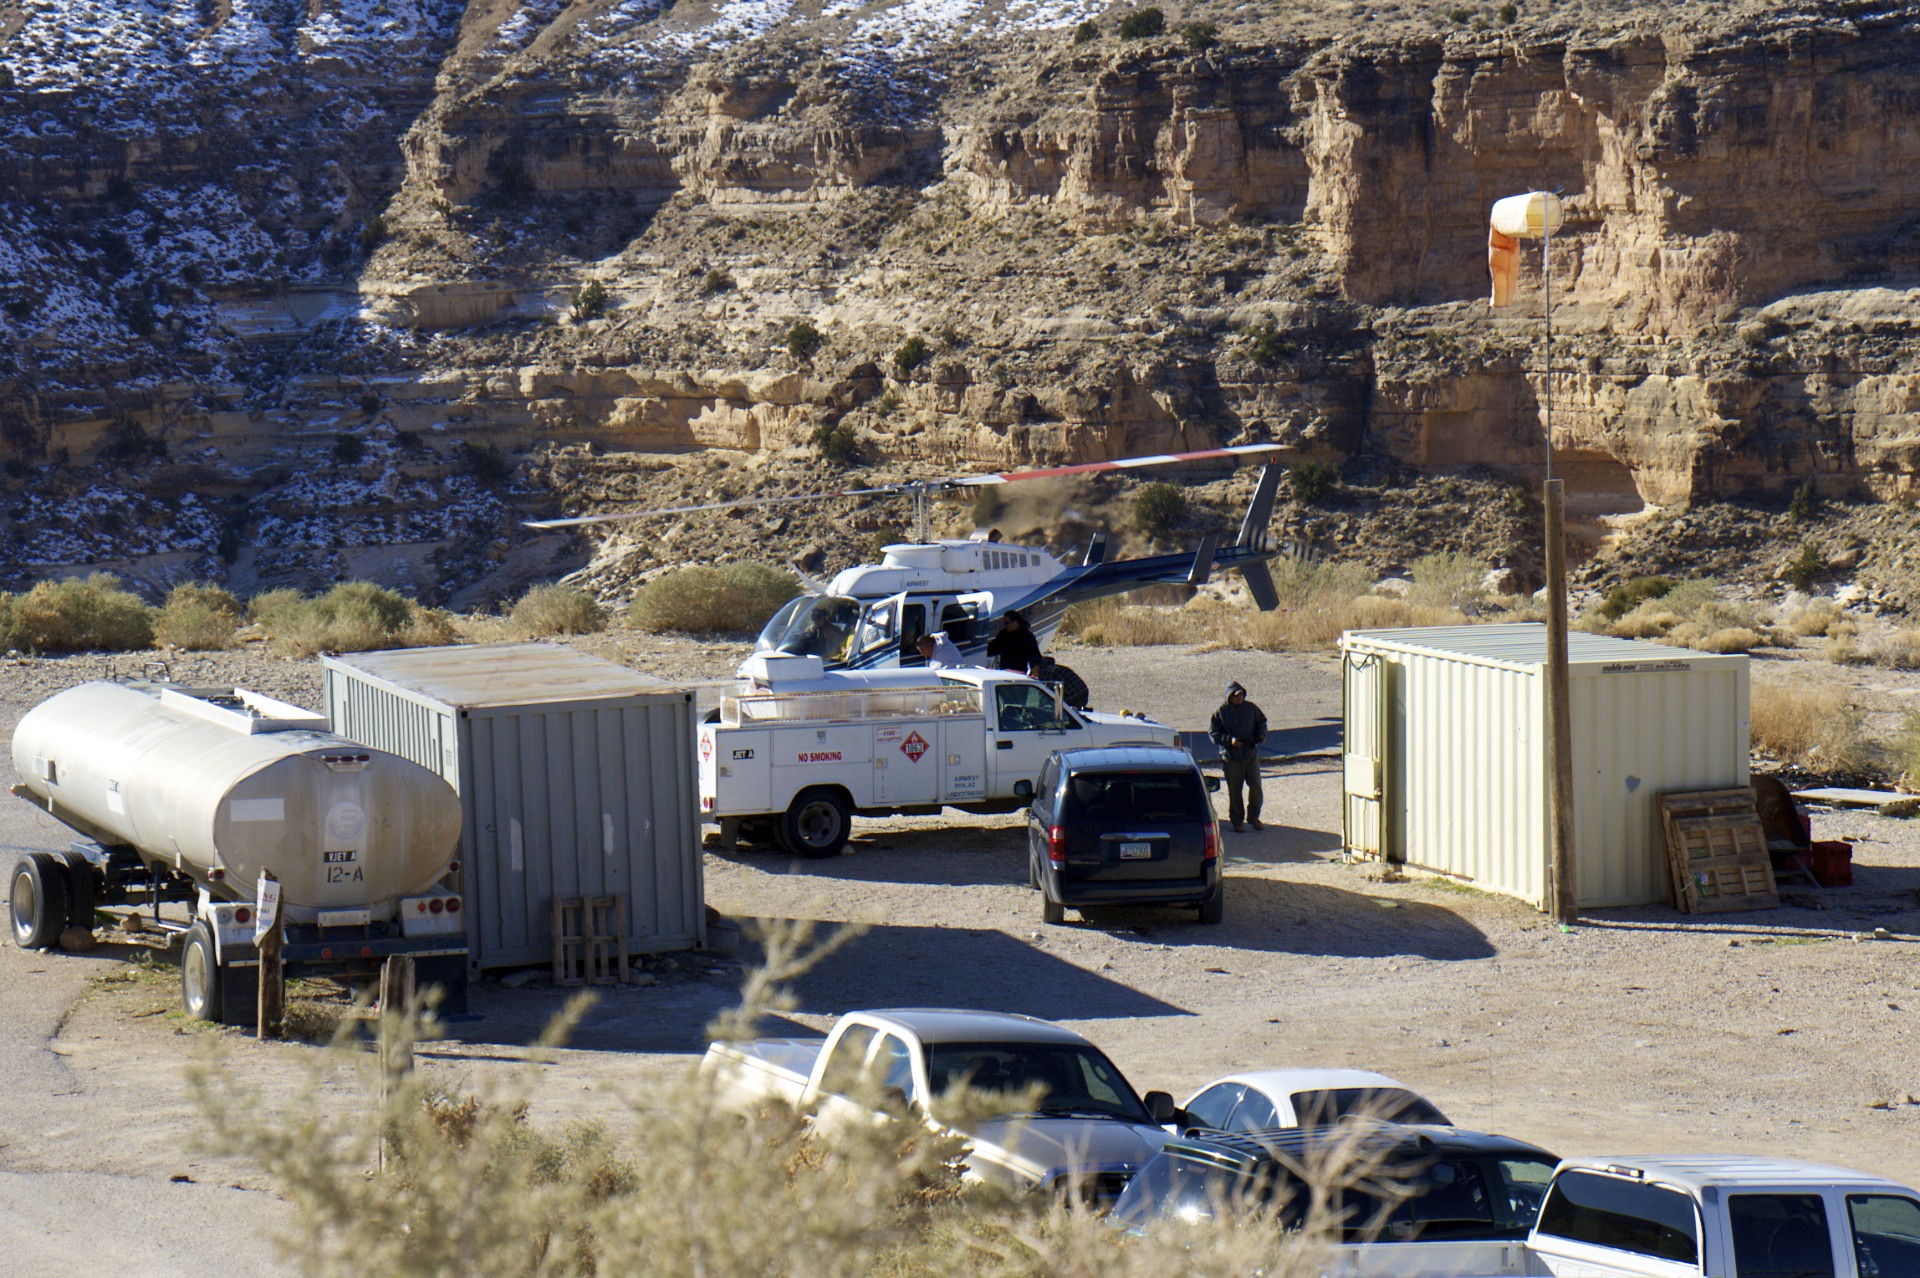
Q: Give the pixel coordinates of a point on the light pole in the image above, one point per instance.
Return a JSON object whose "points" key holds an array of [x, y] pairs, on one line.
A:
{"points": [[1537, 215]]}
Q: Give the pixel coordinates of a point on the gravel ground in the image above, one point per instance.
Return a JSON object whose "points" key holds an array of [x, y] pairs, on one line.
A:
{"points": [[1641, 1030]]}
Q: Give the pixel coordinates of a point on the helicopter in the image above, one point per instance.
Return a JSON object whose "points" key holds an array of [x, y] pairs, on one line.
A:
{"points": [[871, 617]]}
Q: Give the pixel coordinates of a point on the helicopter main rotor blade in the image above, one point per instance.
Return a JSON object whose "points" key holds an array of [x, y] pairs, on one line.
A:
{"points": [[1124, 463], [578, 520]]}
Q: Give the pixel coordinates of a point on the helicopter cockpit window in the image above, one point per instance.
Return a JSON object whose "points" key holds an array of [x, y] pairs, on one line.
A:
{"points": [[811, 626]]}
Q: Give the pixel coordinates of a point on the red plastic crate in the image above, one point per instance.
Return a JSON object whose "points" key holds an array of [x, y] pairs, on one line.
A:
{"points": [[1833, 863]]}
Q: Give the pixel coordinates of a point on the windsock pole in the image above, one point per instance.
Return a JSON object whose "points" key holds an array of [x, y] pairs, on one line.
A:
{"points": [[1537, 214]]}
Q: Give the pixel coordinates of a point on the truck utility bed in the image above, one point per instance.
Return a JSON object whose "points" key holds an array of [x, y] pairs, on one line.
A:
{"points": [[772, 1068]]}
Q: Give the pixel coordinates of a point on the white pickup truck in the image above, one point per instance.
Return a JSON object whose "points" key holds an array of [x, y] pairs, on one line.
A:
{"points": [[798, 751], [1089, 1133], [1723, 1217]]}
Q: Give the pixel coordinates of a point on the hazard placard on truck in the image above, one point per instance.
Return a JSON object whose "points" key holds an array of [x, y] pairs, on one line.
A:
{"points": [[796, 753]]}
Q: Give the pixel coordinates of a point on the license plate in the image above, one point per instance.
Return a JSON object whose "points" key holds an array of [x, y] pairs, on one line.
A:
{"points": [[1136, 851]]}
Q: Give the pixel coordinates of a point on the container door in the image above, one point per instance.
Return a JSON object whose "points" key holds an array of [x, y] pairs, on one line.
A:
{"points": [[1364, 757]]}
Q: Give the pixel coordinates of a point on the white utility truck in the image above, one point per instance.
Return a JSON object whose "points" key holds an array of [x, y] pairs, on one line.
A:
{"points": [[1088, 1133], [797, 751], [1724, 1216]]}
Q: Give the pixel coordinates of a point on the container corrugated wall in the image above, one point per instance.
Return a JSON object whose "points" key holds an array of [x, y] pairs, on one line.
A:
{"points": [[1637, 734], [1462, 758], [1465, 793], [583, 798]]}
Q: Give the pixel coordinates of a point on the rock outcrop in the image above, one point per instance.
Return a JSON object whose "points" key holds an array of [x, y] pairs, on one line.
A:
{"points": [[263, 240]]}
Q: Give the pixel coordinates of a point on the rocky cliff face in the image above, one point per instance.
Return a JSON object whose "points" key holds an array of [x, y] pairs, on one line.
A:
{"points": [[288, 290]]}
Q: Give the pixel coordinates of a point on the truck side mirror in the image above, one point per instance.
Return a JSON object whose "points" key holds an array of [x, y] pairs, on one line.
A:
{"points": [[1161, 1106], [1023, 789]]}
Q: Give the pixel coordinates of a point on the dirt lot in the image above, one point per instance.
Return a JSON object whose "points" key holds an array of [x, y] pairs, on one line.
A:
{"points": [[1639, 1031]]}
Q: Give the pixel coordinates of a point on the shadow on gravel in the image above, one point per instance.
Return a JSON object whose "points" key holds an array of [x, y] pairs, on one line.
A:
{"points": [[934, 967], [1305, 918]]}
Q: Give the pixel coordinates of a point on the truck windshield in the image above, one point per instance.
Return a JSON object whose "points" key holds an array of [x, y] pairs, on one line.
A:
{"points": [[1077, 1080], [811, 626]]}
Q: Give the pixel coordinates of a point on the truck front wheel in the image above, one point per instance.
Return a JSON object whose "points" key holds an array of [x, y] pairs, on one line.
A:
{"points": [[816, 824]]}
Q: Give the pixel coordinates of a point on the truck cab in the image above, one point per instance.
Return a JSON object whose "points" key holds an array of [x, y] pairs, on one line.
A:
{"points": [[1724, 1217]]}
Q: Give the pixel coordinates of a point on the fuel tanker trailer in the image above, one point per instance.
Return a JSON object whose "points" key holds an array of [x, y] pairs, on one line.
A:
{"points": [[192, 794]]}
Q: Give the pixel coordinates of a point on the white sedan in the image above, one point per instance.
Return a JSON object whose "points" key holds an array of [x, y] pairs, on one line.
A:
{"points": [[1276, 1098]]}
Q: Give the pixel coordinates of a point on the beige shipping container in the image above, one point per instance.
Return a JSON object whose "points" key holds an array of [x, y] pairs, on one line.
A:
{"points": [[1445, 753]]}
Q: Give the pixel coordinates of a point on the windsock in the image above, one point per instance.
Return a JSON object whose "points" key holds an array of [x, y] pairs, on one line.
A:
{"points": [[1516, 218]]}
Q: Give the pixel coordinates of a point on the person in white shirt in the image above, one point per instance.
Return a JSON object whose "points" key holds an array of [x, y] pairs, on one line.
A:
{"points": [[940, 652]]}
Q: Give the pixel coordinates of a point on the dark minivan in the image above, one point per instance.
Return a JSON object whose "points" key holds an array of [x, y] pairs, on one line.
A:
{"points": [[1124, 825]]}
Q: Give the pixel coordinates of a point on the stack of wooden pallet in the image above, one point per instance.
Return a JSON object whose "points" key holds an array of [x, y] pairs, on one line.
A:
{"points": [[589, 940], [1717, 851]]}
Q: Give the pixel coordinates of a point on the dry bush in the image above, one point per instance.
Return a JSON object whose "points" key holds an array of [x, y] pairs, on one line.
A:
{"points": [[1817, 617], [704, 600], [556, 609], [1812, 728], [419, 1178], [1112, 622], [1651, 620], [1447, 580], [76, 615], [1732, 639], [355, 616], [197, 617]]}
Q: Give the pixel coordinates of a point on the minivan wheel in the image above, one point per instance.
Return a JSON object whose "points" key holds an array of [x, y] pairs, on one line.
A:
{"points": [[1214, 908], [1051, 911]]}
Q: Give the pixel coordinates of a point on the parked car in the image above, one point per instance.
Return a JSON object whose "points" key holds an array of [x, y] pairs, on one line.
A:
{"points": [[1124, 825], [1750, 1217], [1089, 1133], [1401, 1200], [1268, 1099]]}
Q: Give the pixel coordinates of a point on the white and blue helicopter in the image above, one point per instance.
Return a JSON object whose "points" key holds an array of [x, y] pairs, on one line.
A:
{"points": [[870, 617]]}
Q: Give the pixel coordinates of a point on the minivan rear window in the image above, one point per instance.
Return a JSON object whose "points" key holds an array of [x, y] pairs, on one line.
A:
{"points": [[1606, 1211], [1136, 796]]}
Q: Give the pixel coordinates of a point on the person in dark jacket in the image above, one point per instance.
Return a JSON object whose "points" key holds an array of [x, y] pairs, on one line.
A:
{"points": [[1014, 648], [1238, 728]]}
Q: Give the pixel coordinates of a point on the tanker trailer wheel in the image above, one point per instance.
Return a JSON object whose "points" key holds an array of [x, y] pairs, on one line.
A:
{"points": [[210, 992], [449, 972], [816, 824], [39, 900]]}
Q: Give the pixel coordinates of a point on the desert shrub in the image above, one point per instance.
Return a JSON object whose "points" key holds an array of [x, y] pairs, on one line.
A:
{"points": [[1804, 504], [1447, 580], [1812, 728], [91, 614], [1158, 508], [1312, 482], [1814, 618], [1142, 23], [349, 449], [838, 442], [1269, 345], [485, 462], [911, 355], [1651, 620], [1086, 32], [1508, 13], [557, 609], [707, 600], [590, 301], [7, 641], [1806, 568], [373, 233], [355, 616], [369, 402], [1729, 639], [197, 617], [1200, 36], [1631, 593], [803, 340], [716, 281]]}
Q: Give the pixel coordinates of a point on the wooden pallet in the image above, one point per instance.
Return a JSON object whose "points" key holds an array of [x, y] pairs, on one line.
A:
{"points": [[589, 940], [1717, 852]]}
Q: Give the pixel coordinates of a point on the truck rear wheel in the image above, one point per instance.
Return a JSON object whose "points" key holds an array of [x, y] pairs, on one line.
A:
{"points": [[211, 992], [816, 824], [39, 901]]}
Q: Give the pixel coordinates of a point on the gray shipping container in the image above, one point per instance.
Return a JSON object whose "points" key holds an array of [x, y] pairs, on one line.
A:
{"points": [[575, 777]]}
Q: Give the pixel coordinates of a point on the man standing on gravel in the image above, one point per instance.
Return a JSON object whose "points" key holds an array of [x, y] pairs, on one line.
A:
{"points": [[1238, 728]]}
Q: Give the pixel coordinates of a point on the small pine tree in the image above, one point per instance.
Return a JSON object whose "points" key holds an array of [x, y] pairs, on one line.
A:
{"points": [[911, 355], [1086, 32], [1200, 36], [1142, 24], [591, 301], [804, 341], [1804, 503]]}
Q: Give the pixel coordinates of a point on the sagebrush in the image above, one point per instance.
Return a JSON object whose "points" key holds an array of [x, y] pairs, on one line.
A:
{"points": [[79, 614], [708, 600], [197, 617], [556, 609], [355, 616]]}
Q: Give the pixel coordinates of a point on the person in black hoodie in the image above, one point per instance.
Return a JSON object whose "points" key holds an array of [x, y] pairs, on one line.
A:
{"points": [[1014, 648], [1238, 728]]}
